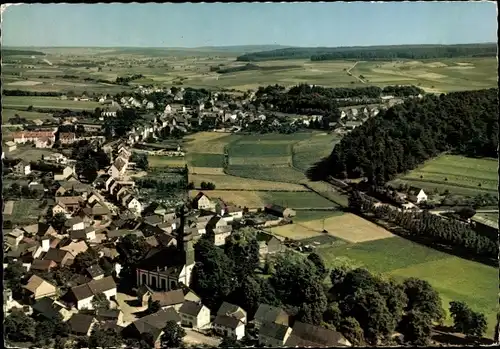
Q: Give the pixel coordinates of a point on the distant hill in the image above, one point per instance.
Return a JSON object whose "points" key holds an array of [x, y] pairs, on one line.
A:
{"points": [[243, 48], [13, 52], [374, 52]]}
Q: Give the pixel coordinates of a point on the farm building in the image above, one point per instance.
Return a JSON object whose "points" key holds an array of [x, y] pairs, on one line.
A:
{"points": [[203, 202], [22, 168], [279, 211]]}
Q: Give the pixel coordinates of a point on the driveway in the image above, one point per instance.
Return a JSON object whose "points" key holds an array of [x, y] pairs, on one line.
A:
{"points": [[193, 337]]}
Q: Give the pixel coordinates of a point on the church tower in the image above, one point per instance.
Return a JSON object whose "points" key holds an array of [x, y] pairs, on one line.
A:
{"points": [[185, 243]]}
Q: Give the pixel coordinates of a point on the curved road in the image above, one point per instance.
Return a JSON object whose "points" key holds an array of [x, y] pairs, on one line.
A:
{"points": [[351, 74]]}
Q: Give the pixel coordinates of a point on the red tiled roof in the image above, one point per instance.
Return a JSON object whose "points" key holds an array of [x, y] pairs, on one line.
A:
{"points": [[34, 134]]}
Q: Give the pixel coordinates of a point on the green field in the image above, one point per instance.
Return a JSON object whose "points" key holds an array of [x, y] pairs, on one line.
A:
{"points": [[205, 160], [191, 67], [307, 152], [46, 102], [28, 115], [304, 216], [297, 199], [25, 211], [266, 157], [455, 278], [166, 161], [459, 174]]}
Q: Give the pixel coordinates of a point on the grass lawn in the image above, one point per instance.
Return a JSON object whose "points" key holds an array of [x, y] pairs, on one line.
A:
{"points": [[28, 153], [47, 102], [228, 182], [205, 160], [297, 199], [458, 174], [25, 211], [453, 277]]}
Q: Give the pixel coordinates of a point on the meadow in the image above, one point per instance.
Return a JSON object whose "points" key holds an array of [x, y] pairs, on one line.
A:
{"points": [[25, 211], [28, 115], [457, 174], [453, 277], [46, 102], [166, 161]]}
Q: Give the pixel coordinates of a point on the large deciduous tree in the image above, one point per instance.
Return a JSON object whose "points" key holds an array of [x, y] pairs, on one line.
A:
{"points": [[422, 297], [172, 336]]}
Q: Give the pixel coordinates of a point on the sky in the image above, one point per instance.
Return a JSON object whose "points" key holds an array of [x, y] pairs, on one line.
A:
{"points": [[225, 24]]}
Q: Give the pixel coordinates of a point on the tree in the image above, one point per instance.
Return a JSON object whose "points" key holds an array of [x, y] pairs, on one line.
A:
{"points": [[422, 297], [13, 276], [141, 160], [87, 168], [104, 338], [173, 335], [416, 328], [243, 249], [248, 294], [321, 270], [466, 212], [230, 342], [19, 327], [100, 302], [333, 315], [153, 306], [352, 331], [466, 321], [213, 274], [132, 249], [85, 259]]}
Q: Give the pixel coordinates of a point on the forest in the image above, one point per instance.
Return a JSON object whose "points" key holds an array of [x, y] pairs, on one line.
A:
{"points": [[374, 52], [9, 52], [399, 139]]}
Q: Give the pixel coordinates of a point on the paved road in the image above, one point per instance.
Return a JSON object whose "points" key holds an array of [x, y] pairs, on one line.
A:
{"points": [[193, 337], [446, 211]]}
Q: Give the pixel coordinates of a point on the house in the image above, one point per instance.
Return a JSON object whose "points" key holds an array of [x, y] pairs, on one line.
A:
{"points": [[75, 248], [219, 229], [22, 168], [39, 229], [115, 315], [279, 211], [274, 334], [14, 237], [169, 299], [118, 168], [67, 137], [83, 234], [75, 223], [194, 315], [152, 324], [309, 335], [71, 203], [203, 202], [133, 204], [351, 125], [39, 288], [234, 211], [421, 196], [50, 309], [64, 174], [82, 324], [84, 294], [232, 310], [43, 265], [230, 321], [267, 314], [268, 243], [43, 137], [59, 256], [10, 146]]}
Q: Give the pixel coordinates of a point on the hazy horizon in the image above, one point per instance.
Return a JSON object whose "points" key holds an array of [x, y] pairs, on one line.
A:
{"points": [[190, 25]]}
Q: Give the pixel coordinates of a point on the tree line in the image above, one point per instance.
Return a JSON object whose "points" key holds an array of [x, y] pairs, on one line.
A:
{"points": [[430, 228], [404, 136], [374, 52], [31, 93]]}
